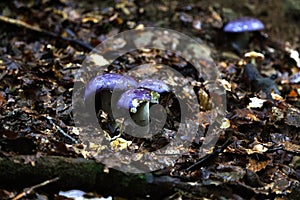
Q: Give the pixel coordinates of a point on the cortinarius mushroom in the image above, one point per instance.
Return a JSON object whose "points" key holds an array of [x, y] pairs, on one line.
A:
{"points": [[127, 99], [154, 85], [137, 102], [238, 30], [244, 24], [102, 87]]}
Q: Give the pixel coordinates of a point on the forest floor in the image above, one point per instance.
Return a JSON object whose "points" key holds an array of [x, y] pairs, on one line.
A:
{"points": [[44, 45]]}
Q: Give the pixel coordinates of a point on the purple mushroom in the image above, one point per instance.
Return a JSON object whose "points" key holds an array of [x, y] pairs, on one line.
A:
{"points": [[137, 102], [110, 81], [154, 85], [244, 24], [102, 87], [238, 31]]}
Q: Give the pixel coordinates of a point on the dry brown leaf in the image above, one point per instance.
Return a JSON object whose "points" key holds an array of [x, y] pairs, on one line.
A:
{"points": [[291, 147], [256, 165], [293, 116], [2, 100], [252, 117], [120, 144]]}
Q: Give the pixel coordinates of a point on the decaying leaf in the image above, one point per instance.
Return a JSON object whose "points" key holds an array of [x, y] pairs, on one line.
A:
{"points": [[293, 117], [258, 148], [205, 101], [120, 144], [296, 162], [289, 146], [256, 103], [277, 114], [225, 84], [2, 100], [257, 165]]}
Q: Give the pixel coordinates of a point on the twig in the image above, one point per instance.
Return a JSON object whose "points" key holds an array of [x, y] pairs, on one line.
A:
{"points": [[282, 148], [215, 153], [30, 190], [37, 29], [61, 130], [3, 74]]}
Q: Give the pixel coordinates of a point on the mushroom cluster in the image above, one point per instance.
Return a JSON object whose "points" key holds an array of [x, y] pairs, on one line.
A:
{"points": [[122, 93]]}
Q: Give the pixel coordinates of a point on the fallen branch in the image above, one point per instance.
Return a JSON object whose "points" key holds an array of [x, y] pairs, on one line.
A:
{"points": [[31, 189], [67, 136], [210, 156], [37, 29]]}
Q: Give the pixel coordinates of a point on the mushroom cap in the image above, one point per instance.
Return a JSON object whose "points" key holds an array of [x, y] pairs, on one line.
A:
{"points": [[254, 54], [110, 81], [244, 24], [132, 98], [154, 85]]}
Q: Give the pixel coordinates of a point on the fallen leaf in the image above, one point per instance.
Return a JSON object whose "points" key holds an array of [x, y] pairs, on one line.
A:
{"points": [[120, 144], [2, 100], [293, 117], [258, 148], [257, 165], [256, 103], [292, 94]]}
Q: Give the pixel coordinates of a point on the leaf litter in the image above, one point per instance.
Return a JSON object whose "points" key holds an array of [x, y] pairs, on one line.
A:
{"points": [[37, 72]]}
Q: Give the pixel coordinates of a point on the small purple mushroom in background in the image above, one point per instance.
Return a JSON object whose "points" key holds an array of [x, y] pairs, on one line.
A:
{"points": [[102, 87], [238, 30], [244, 24]]}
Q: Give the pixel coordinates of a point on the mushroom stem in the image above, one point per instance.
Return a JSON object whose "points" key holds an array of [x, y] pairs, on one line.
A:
{"points": [[240, 41], [106, 105], [142, 115], [106, 102], [240, 28]]}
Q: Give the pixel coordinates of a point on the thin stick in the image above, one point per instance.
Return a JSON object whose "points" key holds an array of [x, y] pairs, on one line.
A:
{"points": [[3, 74], [61, 130], [37, 29], [214, 154], [30, 190]]}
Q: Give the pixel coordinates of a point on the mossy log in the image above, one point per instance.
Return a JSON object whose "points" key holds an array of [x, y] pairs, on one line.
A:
{"points": [[20, 172]]}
